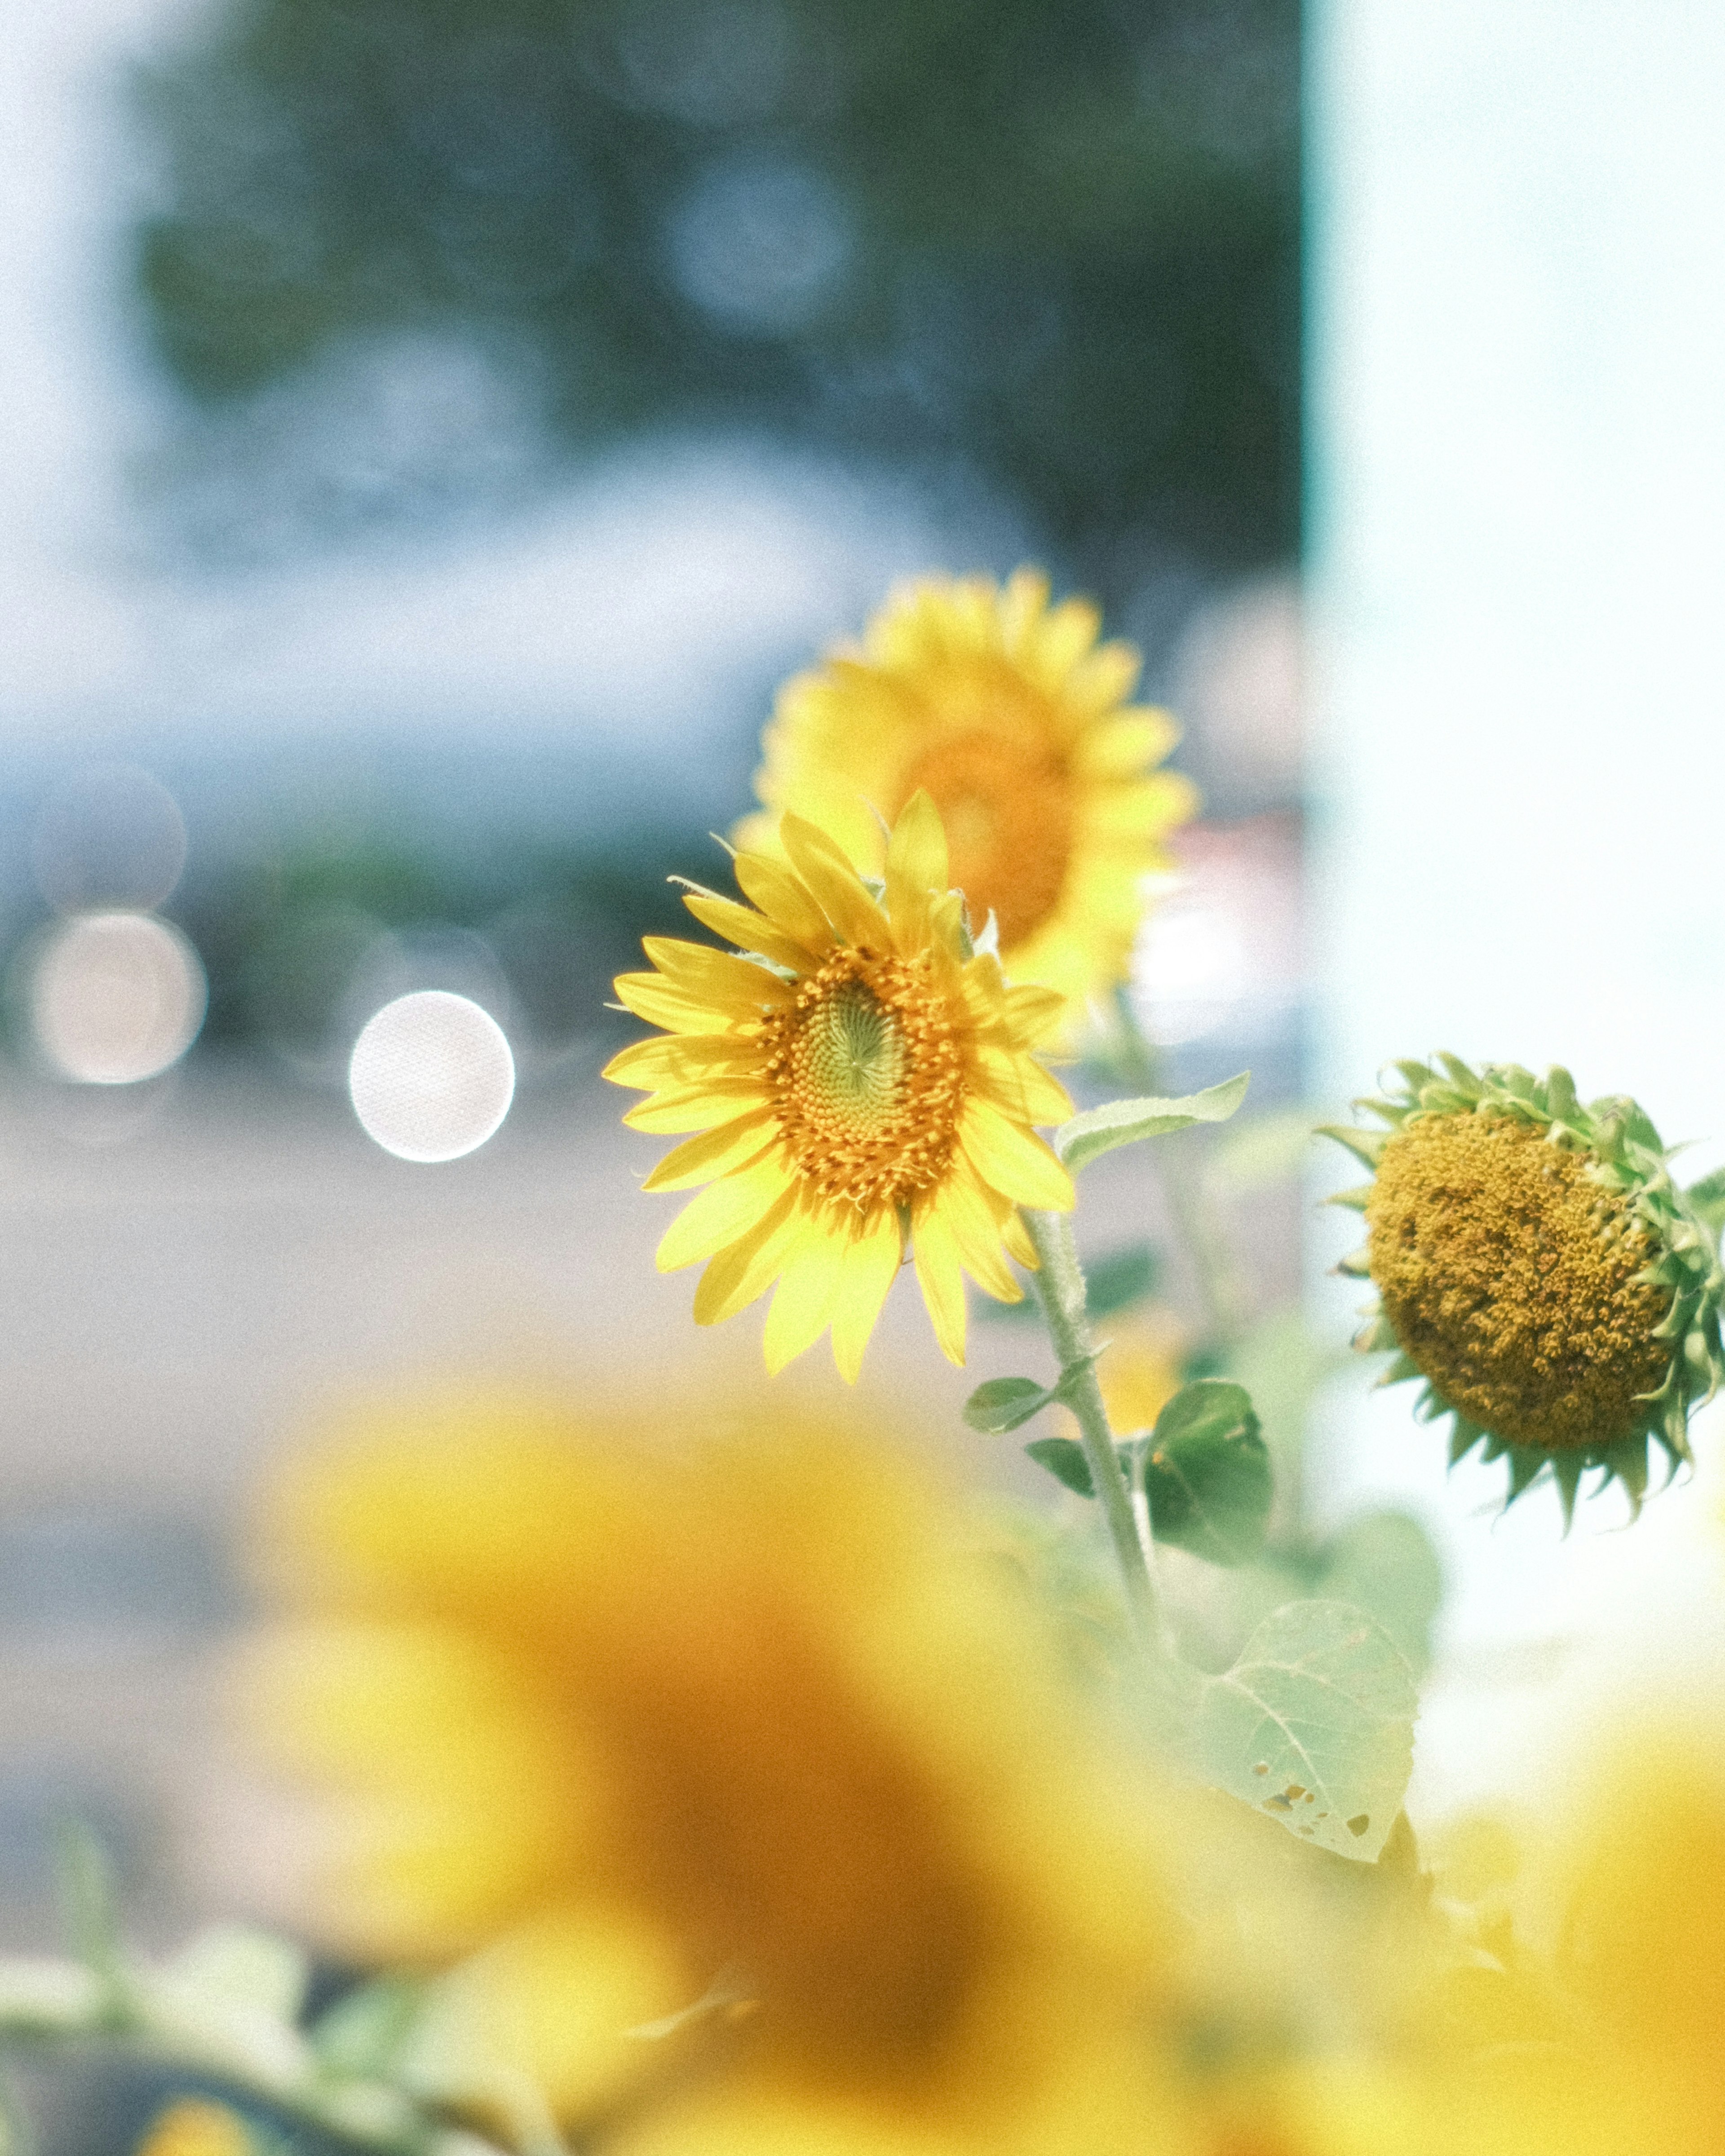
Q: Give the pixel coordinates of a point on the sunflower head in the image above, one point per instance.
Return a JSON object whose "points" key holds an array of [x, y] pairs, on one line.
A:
{"points": [[1538, 1268], [1014, 721], [860, 1077]]}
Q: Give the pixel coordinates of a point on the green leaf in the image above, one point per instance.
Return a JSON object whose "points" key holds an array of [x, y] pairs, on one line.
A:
{"points": [[1313, 1725], [1207, 1475], [1003, 1403], [1063, 1459], [1098, 1131], [1123, 1277], [364, 2034]]}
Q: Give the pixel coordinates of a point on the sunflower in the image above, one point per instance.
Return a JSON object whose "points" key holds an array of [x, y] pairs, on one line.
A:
{"points": [[1538, 1268], [1014, 721], [860, 1078], [743, 1725], [192, 2126]]}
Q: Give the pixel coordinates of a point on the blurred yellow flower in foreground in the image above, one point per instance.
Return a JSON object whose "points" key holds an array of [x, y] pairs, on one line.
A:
{"points": [[1015, 720], [194, 2128], [626, 1724], [872, 1079]]}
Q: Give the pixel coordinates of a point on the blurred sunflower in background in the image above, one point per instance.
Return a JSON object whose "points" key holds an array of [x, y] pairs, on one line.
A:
{"points": [[861, 1078], [744, 1724], [1014, 719]]}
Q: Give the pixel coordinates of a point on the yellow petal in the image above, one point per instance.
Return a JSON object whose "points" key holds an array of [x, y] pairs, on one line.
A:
{"points": [[1122, 748], [917, 869], [961, 1203], [784, 899], [1014, 1160], [935, 1250], [679, 1060], [701, 1107], [837, 887], [1033, 1014], [1016, 1237], [725, 979], [721, 1213], [751, 932], [749, 1266], [808, 1288], [1019, 1086], [871, 1265], [664, 1003], [715, 1153]]}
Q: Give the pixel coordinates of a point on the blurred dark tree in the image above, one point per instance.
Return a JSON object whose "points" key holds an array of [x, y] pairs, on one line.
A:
{"points": [[1053, 241]]}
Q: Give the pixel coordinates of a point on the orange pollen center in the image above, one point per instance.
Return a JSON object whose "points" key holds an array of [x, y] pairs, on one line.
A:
{"points": [[1007, 806], [868, 1079]]}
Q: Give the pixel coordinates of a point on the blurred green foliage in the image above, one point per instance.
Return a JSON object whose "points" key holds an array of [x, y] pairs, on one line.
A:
{"points": [[1053, 241]]}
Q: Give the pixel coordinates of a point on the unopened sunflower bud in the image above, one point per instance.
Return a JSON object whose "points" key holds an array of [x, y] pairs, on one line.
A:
{"points": [[1538, 1269]]}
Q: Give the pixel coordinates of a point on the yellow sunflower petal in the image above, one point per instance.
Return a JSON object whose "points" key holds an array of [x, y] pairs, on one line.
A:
{"points": [[747, 1267], [787, 902], [807, 1289], [939, 1275], [965, 1211], [701, 1108], [1014, 1160], [1123, 746], [916, 870], [715, 1153], [722, 1212], [1019, 1085], [1032, 1014], [837, 887], [871, 1265], [678, 1010], [731, 982], [678, 1060], [751, 930], [1016, 1238]]}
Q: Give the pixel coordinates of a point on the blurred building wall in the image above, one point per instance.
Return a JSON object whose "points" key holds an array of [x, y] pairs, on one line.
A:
{"points": [[1517, 306]]}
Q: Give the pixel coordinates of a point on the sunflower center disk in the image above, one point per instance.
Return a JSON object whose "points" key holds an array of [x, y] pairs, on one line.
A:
{"points": [[1510, 1276], [1007, 806], [868, 1079]]}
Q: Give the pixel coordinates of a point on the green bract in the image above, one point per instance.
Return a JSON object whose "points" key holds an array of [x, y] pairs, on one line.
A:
{"points": [[1538, 1268]]}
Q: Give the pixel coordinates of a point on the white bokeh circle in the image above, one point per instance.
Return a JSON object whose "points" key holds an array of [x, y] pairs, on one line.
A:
{"points": [[431, 1076], [115, 997]]}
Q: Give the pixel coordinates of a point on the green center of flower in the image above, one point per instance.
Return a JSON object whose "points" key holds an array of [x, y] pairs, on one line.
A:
{"points": [[868, 1078], [850, 1060]]}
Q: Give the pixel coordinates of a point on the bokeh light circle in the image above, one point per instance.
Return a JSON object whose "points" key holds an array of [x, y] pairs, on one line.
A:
{"points": [[431, 1076], [109, 836], [115, 997]]}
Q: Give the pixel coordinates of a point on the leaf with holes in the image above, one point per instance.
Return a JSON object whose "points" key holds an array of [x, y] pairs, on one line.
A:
{"points": [[1313, 1725], [1087, 1136], [1206, 1473]]}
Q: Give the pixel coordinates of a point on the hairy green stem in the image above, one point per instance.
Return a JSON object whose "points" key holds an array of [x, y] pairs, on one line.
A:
{"points": [[1059, 1285]]}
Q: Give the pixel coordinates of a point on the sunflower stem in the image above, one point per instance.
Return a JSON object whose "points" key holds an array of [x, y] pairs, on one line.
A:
{"points": [[1061, 1287], [1219, 1286]]}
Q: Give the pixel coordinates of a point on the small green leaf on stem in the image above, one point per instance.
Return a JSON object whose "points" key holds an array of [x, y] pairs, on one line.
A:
{"points": [[1003, 1403], [1087, 1136], [1063, 1459], [1206, 1473]]}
